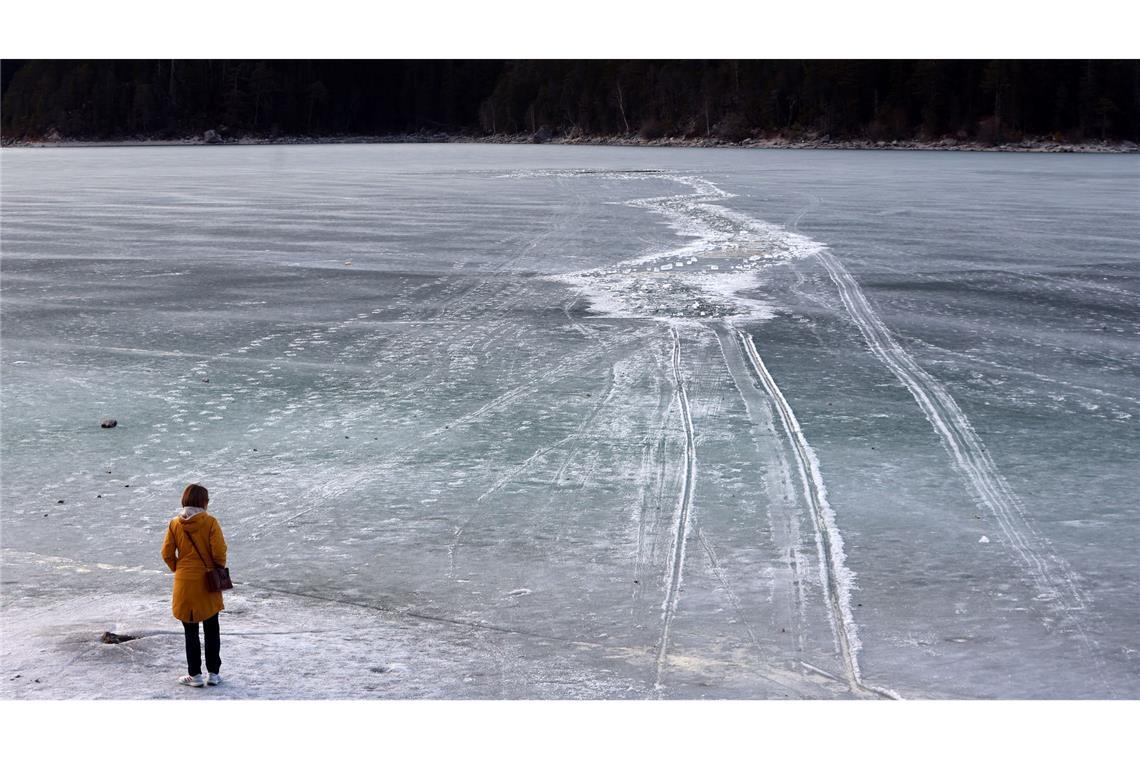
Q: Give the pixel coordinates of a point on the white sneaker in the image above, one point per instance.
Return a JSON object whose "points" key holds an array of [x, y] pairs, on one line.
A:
{"points": [[192, 680], [213, 679]]}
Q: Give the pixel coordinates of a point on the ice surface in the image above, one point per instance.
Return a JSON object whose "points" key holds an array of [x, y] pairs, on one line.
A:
{"points": [[569, 422]]}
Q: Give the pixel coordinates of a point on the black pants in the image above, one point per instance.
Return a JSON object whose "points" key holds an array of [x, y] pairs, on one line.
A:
{"points": [[194, 649]]}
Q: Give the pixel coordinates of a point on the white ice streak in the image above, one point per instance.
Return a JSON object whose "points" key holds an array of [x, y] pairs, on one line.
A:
{"points": [[72, 565], [682, 516]]}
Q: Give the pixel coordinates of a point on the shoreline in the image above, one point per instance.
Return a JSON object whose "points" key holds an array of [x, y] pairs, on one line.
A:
{"points": [[1029, 145]]}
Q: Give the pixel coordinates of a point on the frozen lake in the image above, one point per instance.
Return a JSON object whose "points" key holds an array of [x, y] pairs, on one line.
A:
{"points": [[571, 422]]}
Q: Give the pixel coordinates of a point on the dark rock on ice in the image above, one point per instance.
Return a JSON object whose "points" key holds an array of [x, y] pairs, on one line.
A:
{"points": [[116, 638], [60, 501], [211, 137], [108, 423]]}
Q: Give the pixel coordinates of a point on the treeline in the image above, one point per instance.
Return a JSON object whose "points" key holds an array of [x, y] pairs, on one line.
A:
{"points": [[880, 100]]}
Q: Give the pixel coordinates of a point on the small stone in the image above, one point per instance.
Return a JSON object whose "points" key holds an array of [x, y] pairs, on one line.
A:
{"points": [[99, 496], [128, 485], [116, 638], [60, 501], [108, 423]]}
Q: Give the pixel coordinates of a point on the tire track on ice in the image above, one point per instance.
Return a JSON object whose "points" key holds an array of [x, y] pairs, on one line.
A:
{"points": [[1048, 574], [783, 512], [683, 514], [834, 574]]}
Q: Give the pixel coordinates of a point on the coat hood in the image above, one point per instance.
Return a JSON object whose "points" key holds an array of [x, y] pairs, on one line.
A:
{"points": [[192, 519]]}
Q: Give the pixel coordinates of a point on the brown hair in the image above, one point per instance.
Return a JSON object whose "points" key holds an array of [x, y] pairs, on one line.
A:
{"points": [[195, 496]]}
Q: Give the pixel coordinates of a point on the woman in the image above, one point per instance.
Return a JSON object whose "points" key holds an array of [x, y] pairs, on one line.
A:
{"points": [[194, 544]]}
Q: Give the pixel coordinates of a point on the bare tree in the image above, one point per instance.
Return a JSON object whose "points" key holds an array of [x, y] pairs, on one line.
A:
{"points": [[621, 106]]}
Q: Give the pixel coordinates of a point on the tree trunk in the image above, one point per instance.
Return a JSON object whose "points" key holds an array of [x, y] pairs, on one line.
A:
{"points": [[621, 107]]}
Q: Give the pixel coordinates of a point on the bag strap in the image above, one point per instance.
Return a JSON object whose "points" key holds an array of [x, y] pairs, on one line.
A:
{"points": [[187, 534]]}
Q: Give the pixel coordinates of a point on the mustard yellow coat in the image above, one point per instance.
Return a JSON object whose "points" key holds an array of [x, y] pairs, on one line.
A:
{"points": [[193, 602]]}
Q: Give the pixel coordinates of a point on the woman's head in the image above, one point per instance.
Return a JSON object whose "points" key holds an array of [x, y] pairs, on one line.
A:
{"points": [[195, 496]]}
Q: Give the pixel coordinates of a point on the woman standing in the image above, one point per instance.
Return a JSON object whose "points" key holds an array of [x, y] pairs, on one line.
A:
{"points": [[193, 545]]}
